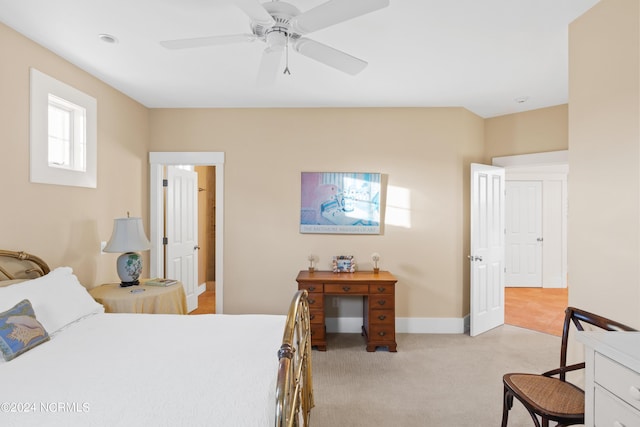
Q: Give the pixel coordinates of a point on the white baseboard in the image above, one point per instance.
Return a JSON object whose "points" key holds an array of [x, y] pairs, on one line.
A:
{"points": [[201, 288], [404, 325]]}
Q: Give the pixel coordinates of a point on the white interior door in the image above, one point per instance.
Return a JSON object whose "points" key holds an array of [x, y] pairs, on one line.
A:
{"points": [[487, 248], [182, 231], [524, 234]]}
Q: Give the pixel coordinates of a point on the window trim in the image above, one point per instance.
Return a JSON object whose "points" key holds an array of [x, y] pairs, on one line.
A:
{"points": [[40, 172]]}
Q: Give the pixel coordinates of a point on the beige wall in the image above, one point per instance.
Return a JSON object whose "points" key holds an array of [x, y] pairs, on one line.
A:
{"points": [[604, 160], [424, 153], [64, 225], [535, 131]]}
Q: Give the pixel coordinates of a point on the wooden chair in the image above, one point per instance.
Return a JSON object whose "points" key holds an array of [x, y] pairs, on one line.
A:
{"points": [[554, 399]]}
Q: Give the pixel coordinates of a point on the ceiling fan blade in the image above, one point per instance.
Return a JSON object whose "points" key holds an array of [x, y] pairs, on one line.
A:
{"points": [[207, 41], [333, 12], [269, 64], [329, 56], [255, 11]]}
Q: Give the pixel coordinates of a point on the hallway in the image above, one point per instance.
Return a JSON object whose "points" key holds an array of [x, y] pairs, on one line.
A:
{"points": [[206, 303], [539, 309]]}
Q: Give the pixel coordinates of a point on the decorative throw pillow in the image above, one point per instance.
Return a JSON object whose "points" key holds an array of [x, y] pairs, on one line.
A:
{"points": [[20, 331]]}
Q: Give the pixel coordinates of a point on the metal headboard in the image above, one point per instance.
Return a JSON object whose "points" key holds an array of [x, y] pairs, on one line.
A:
{"points": [[27, 266]]}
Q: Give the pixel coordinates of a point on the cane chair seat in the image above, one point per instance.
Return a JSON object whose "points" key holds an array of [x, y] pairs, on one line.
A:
{"points": [[550, 396]]}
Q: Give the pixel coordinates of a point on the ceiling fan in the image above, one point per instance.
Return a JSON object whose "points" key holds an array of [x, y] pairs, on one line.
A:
{"points": [[280, 25]]}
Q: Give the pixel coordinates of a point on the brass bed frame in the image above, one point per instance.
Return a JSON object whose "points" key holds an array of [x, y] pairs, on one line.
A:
{"points": [[27, 266], [294, 387], [294, 391]]}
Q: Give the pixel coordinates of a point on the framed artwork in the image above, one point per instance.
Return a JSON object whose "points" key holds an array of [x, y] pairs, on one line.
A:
{"points": [[344, 264], [340, 203]]}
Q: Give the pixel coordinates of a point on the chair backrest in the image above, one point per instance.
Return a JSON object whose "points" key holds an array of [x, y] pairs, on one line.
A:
{"points": [[579, 318]]}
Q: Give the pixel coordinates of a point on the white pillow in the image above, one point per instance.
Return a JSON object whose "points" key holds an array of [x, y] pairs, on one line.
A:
{"points": [[58, 299]]}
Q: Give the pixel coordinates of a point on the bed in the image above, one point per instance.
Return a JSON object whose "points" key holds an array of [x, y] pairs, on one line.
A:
{"points": [[78, 366]]}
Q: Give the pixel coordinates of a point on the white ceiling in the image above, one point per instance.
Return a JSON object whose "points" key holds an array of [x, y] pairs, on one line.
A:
{"points": [[477, 54]]}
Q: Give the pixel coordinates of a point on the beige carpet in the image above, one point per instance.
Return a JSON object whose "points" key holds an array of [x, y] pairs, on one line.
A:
{"points": [[433, 380]]}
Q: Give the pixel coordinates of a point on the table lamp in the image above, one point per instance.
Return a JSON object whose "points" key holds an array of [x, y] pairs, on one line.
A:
{"points": [[128, 237]]}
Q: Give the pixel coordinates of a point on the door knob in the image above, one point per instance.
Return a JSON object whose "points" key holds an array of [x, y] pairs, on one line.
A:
{"points": [[196, 247], [539, 239]]}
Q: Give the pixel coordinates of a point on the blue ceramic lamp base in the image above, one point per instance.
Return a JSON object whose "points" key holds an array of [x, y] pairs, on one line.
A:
{"points": [[129, 267]]}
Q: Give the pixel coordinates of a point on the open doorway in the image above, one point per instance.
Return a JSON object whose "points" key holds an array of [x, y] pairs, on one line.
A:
{"points": [[206, 239], [536, 281], [158, 160]]}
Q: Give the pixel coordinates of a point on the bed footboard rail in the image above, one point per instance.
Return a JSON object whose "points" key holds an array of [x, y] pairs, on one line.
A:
{"points": [[294, 390]]}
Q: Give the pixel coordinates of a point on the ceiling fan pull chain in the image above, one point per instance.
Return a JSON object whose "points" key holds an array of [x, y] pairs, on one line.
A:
{"points": [[286, 67]]}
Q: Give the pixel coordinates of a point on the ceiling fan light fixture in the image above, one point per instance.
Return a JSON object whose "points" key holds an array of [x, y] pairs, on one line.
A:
{"points": [[276, 38], [281, 25]]}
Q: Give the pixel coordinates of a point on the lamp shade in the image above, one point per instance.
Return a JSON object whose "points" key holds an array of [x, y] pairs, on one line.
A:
{"points": [[128, 236]]}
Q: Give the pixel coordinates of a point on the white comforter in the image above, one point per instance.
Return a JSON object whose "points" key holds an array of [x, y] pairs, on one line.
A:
{"points": [[147, 370]]}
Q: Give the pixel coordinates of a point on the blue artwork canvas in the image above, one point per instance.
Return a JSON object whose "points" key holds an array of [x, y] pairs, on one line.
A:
{"points": [[339, 202]]}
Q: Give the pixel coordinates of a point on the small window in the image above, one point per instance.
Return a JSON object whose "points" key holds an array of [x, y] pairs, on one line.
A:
{"points": [[63, 133], [67, 135]]}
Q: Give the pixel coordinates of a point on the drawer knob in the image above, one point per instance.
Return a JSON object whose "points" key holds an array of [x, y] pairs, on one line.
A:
{"points": [[346, 288], [312, 301], [382, 317], [312, 316], [634, 392], [381, 302], [382, 333], [312, 288], [381, 289]]}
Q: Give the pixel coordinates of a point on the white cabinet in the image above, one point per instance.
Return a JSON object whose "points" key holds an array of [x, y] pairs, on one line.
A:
{"points": [[612, 378]]}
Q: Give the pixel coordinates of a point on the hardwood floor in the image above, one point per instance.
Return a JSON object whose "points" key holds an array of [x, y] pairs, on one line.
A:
{"points": [[539, 309], [206, 303]]}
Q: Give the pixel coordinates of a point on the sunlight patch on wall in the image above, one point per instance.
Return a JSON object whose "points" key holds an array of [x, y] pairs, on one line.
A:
{"points": [[398, 208]]}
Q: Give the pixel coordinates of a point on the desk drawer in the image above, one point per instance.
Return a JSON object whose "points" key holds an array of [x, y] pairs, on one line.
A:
{"points": [[316, 316], [311, 287], [382, 332], [381, 289], [346, 289], [381, 302], [619, 380], [316, 301], [317, 333], [611, 411], [382, 317]]}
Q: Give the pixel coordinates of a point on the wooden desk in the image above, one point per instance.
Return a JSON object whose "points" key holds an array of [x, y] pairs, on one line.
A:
{"points": [[378, 294], [154, 299]]}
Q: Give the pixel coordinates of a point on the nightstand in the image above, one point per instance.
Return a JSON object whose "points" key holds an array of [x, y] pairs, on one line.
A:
{"points": [[141, 298]]}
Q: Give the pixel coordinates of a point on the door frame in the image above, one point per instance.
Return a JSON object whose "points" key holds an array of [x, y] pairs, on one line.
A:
{"points": [[157, 161], [545, 167]]}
